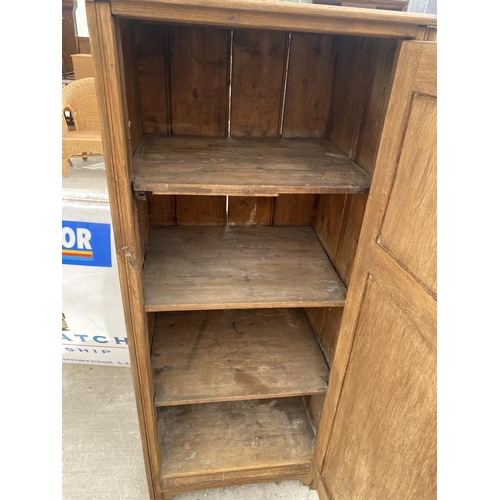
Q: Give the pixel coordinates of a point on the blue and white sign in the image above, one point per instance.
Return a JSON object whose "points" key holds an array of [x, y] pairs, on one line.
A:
{"points": [[86, 243]]}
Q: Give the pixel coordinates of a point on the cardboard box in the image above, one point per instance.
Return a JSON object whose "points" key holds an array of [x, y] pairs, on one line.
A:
{"points": [[82, 65]]}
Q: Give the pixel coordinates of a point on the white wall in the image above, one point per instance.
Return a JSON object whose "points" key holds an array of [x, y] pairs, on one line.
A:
{"points": [[81, 19], [423, 6]]}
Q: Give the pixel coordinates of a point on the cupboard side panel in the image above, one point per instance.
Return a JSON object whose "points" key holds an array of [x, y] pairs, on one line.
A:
{"points": [[309, 86], [257, 82], [130, 73], [349, 236], [107, 55], [327, 222], [199, 67], [361, 85], [143, 222], [381, 72]]}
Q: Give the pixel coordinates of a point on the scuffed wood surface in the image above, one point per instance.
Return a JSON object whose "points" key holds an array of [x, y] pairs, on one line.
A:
{"points": [[209, 356], [210, 267], [244, 166], [236, 436]]}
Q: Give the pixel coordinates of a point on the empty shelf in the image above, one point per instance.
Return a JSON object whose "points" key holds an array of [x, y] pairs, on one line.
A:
{"points": [[214, 267], [244, 167], [209, 356], [214, 438]]}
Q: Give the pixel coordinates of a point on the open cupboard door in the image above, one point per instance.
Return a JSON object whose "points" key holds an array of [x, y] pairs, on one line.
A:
{"points": [[377, 436]]}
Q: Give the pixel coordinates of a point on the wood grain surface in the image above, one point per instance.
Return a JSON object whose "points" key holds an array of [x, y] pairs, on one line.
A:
{"points": [[309, 87], [210, 356], [199, 66], [258, 66], [244, 166], [278, 16], [210, 267], [225, 437]]}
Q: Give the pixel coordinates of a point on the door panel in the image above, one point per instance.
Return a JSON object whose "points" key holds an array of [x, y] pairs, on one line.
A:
{"points": [[377, 434], [384, 434], [408, 230]]}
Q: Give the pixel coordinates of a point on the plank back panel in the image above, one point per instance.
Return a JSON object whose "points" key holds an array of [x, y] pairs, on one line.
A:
{"points": [[309, 87], [257, 80], [350, 86], [153, 78], [250, 211], [161, 210], [200, 210], [199, 66], [294, 210]]}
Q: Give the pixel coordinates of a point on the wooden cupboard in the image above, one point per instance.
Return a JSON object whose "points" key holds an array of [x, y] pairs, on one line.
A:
{"points": [[272, 176]]}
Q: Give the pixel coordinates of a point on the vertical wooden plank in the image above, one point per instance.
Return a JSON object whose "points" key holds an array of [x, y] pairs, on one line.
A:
{"points": [[143, 221], [325, 322], [348, 242], [330, 332], [309, 88], [161, 210], [199, 84], [381, 70], [200, 210], [294, 210], [153, 79], [249, 211], [361, 86], [328, 222], [314, 407], [151, 318], [258, 64], [315, 316], [131, 81], [350, 86], [107, 55]]}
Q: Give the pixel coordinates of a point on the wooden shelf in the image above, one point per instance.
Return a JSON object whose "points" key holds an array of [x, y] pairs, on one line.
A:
{"points": [[244, 167], [214, 438], [213, 356], [215, 267]]}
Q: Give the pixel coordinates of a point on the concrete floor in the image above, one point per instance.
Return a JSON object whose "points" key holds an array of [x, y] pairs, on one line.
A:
{"points": [[102, 454]]}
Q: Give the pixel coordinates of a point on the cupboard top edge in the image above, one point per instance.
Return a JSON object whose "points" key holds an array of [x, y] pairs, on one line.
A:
{"points": [[277, 15]]}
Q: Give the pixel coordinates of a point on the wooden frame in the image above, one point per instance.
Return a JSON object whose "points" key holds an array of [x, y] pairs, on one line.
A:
{"points": [[333, 209]]}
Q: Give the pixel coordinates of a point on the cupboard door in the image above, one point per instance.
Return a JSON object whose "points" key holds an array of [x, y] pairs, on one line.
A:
{"points": [[377, 436]]}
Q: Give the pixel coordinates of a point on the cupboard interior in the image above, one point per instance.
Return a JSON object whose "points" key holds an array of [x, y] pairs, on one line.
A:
{"points": [[217, 83]]}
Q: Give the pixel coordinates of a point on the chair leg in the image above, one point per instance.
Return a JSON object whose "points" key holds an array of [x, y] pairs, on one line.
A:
{"points": [[84, 158], [65, 166], [70, 162]]}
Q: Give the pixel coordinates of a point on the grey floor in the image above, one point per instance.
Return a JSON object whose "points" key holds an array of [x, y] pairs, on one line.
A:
{"points": [[102, 455]]}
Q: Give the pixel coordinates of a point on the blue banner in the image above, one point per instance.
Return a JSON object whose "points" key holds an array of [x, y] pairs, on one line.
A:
{"points": [[86, 243]]}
